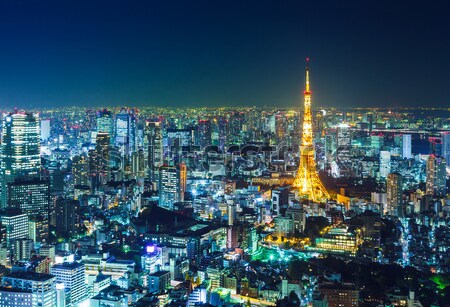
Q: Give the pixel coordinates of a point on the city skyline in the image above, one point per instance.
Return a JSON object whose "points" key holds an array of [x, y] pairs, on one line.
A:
{"points": [[205, 53]]}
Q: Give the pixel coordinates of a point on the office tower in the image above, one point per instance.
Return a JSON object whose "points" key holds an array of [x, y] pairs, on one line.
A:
{"points": [[72, 275], [22, 249], [222, 131], [435, 144], [179, 137], [394, 194], [105, 122], [231, 212], [99, 161], [446, 147], [436, 176], [37, 228], [203, 137], [153, 149], [20, 149], [67, 213], [40, 288], [31, 196], [307, 179], [172, 185], [52, 172], [385, 163], [126, 130], [48, 251], [376, 143], [137, 164], [16, 224], [280, 200], [45, 129], [280, 127], [90, 122], [80, 170], [343, 146], [406, 146]]}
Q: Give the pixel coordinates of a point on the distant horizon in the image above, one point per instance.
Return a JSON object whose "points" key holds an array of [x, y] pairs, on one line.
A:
{"points": [[234, 53]]}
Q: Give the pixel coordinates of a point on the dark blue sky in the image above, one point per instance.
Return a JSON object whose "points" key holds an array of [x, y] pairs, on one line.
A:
{"points": [[216, 53]]}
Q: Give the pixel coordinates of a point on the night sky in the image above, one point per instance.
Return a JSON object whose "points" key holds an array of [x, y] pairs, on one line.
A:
{"points": [[224, 53]]}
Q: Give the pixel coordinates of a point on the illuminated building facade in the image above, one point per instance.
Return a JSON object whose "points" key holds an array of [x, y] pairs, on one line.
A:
{"points": [[31, 196], [16, 224], [436, 176], [307, 180], [42, 288], [394, 193], [105, 122], [339, 239], [153, 149], [172, 185], [72, 275], [20, 149]]}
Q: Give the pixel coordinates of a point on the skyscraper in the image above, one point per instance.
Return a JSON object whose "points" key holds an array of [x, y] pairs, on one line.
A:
{"points": [[204, 131], [436, 176], [80, 170], [126, 130], [406, 146], [394, 193], [153, 149], [45, 129], [67, 217], [20, 149], [99, 161], [172, 185], [446, 147], [105, 122], [307, 180], [385, 163]]}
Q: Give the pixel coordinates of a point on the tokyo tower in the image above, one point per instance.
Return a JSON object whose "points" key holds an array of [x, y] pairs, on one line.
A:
{"points": [[307, 181]]}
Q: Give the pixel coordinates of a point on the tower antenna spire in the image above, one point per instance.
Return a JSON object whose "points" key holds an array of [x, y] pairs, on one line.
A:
{"points": [[307, 89]]}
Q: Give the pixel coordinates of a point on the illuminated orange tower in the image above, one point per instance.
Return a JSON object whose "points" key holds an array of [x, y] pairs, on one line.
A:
{"points": [[307, 181]]}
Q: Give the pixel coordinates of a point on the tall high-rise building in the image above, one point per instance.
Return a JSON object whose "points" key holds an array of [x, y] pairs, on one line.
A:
{"points": [[99, 160], [16, 224], [406, 146], [80, 170], [67, 217], [126, 130], [105, 122], [203, 137], [31, 289], [394, 194], [20, 149], [446, 147], [385, 163], [22, 249], [72, 275], [172, 185], [153, 149], [179, 137], [45, 129], [307, 180], [31, 196], [436, 176]]}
